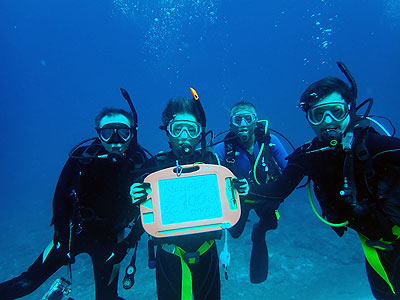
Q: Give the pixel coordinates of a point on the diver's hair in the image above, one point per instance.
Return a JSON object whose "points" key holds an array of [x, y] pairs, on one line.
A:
{"points": [[111, 112], [322, 88], [242, 103], [180, 105]]}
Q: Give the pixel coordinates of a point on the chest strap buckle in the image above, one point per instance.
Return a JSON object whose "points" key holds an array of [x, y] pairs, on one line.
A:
{"points": [[191, 258]]}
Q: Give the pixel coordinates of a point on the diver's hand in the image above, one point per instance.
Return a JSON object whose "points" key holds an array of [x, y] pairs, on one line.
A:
{"points": [[139, 192], [241, 185]]}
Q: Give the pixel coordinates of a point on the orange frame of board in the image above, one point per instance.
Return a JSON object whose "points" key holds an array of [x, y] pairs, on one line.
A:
{"points": [[190, 199]]}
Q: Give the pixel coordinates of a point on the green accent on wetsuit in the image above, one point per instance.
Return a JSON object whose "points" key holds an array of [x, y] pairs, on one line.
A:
{"points": [[260, 152], [373, 259], [277, 214], [187, 291], [249, 201]]}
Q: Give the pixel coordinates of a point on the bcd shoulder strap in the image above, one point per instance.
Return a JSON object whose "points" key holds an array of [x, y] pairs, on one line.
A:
{"points": [[267, 163], [360, 150], [230, 149], [209, 156]]}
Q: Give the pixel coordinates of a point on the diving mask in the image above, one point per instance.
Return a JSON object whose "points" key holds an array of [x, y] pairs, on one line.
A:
{"points": [[243, 118], [176, 128], [338, 111], [115, 133]]}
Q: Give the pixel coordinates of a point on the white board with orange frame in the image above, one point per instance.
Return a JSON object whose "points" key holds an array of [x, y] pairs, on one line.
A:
{"points": [[190, 199]]}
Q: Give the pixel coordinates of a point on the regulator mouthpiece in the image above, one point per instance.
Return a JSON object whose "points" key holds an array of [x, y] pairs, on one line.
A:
{"points": [[331, 137], [244, 135], [186, 150]]}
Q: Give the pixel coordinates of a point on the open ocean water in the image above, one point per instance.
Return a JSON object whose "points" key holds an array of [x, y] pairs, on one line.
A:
{"points": [[63, 61]]}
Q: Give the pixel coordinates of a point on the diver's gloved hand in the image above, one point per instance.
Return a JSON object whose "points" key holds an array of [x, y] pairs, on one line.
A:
{"points": [[118, 253], [139, 192], [241, 185]]}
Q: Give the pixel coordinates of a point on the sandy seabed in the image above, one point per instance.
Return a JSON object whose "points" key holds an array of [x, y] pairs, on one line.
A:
{"points": [[307, 260]]}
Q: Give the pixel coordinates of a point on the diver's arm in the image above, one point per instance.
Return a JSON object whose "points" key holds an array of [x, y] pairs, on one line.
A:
{"points": [[63, 200], [135, 233], [278, 190], [383, 148], [279, 153]]}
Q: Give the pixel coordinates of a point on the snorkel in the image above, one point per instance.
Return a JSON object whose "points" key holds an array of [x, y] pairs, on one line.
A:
{"points": [[349, 133], [134, 114], [203, 118]]}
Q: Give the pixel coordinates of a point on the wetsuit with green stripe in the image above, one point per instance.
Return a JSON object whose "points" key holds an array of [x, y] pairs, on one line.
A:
{"points": [[197, 275], [378, 192]]}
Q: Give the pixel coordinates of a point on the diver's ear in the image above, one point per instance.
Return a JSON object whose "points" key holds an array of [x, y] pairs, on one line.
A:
{"points": [[162, 127], [231, 127]]}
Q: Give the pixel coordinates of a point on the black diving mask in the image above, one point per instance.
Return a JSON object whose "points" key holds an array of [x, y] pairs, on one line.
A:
{"points": [[115, 133]]}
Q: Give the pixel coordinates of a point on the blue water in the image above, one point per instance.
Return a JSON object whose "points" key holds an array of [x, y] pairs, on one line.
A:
{"points": [[63, 61]]}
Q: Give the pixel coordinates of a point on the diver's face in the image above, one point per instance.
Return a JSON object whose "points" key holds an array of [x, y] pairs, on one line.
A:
{"points": [[243, 122], [329, 117], [183, 129], [115, 133]]}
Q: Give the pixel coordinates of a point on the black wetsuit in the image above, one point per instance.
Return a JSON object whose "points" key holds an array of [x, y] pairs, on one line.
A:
{"points": [[98, 214], [205, 273], [377, 179]]}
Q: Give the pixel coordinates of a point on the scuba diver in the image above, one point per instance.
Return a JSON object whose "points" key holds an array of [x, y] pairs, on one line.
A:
{"points": [[184, 122], [251, 152], [92, 208], [355, 173]]}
